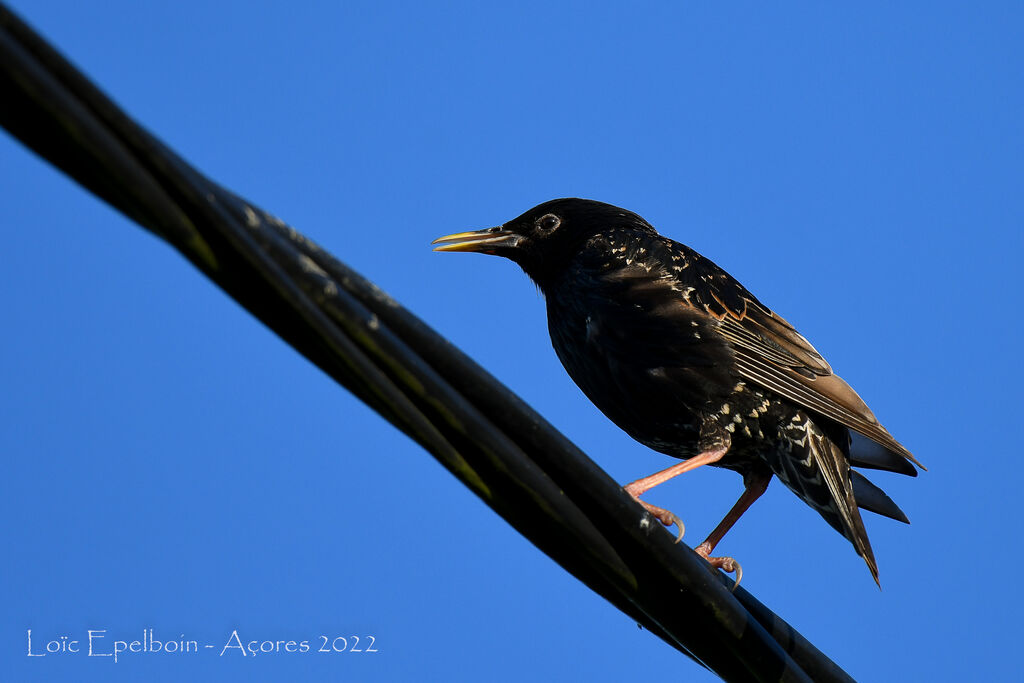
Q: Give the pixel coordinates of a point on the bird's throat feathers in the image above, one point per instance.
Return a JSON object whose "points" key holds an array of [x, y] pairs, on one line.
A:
{"points": [[545, 266]]}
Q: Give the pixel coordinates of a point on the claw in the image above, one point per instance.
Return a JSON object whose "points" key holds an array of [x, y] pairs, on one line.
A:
{"points": [[666, 517], [682, 528], [726, 564]]}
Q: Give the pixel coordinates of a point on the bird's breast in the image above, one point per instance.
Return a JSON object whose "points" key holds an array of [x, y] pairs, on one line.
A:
{"points": [[655, 376]]}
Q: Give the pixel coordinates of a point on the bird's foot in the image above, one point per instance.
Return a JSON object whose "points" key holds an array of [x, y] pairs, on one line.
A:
{"points": [[726, 564], [666, 517]]}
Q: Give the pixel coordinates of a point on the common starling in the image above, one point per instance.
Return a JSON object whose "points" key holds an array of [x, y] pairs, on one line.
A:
{"points": [[685, 360]]}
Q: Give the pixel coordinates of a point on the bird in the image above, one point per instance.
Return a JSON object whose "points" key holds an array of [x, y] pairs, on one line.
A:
{"points": [[684, 359]]}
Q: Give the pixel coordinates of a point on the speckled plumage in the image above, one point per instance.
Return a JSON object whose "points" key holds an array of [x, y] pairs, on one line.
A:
{"points": [[684, 359]]}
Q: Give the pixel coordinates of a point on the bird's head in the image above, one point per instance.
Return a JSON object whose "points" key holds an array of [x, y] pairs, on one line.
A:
{"points": [[545, 238]]}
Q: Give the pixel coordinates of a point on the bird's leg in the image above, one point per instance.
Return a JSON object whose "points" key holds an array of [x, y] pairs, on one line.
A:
{"points": [[754, 486], [666, 517]]}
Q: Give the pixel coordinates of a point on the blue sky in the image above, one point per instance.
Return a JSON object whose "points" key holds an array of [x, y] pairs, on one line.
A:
{"points": [[170, 464]]}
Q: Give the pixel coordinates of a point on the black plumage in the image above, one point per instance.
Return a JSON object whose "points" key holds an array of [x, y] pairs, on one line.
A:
{"points": [[688, 362]]}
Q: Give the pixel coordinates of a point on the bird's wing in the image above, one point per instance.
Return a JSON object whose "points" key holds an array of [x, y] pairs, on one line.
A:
{"points": [[772, 354]]}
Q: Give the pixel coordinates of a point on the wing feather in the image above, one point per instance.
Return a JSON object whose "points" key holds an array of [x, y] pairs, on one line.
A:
{"points": [[770, 352]]}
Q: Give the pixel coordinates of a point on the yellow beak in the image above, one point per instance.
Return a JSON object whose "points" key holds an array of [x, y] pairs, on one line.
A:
{"points": [[484, 241]]}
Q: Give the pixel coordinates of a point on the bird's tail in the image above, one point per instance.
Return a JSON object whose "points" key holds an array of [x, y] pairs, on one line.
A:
{"points": [[822, 479]]}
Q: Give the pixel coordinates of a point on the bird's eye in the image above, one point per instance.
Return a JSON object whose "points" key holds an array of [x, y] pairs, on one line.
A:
{"points": [[548, 222]]}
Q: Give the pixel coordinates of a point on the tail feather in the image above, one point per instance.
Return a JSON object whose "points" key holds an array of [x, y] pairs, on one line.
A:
{"points": [[870, 454], [822, 479], [870, 497], [835, 470]]}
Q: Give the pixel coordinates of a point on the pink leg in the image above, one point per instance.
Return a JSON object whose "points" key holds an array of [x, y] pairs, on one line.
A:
{"points": [[666, 517], [754, 488], [640, 486]]}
